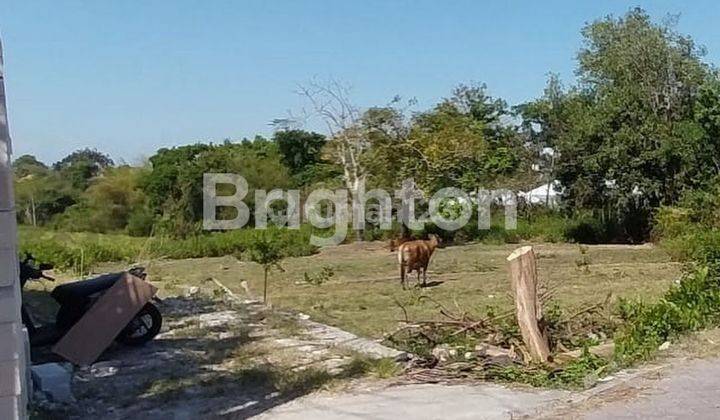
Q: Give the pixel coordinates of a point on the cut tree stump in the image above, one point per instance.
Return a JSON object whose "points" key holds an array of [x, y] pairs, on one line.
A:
{"points": [[523, 278]]}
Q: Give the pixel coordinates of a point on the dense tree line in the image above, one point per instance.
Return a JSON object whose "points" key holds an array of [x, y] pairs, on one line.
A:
{"points": [[639, 129]]}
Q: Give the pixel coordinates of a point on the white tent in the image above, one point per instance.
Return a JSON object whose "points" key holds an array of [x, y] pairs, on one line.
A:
{"points": [[544, 194]]}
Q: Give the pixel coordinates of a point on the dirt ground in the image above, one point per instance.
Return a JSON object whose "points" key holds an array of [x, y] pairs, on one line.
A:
{"points": [[363, 293], [214, 359], [217, 359]]}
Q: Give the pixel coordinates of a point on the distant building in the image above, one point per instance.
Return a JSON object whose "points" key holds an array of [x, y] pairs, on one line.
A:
{"points": [[546, 194]]}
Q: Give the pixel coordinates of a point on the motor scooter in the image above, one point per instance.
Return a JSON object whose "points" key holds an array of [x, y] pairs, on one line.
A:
{"points": [[76, 298]]}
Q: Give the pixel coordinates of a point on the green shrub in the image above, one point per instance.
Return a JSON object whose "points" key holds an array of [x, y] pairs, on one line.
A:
{"points": [[578, 374], [586, 230], [690, 305], [79, 252], [140, 223]]}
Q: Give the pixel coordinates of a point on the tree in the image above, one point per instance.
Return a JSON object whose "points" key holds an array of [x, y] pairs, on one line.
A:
{"points": [[628, 133], [27, 165], [109, 202], [299, 149], [82, 165], [98, 159], [347, 140], [387, 131], [302, 152], [39, 198], [543, 121], [463, 143], [266, 251], [174, 187]]}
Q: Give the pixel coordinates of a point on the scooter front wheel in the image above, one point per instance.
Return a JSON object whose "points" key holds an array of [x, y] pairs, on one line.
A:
{"points": [[143, 327]]}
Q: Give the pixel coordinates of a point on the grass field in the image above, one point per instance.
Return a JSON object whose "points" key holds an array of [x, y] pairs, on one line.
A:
{"points": [[362, 294]]}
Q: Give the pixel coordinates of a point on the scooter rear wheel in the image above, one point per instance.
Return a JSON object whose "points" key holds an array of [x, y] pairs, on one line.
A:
{"points": [[143, 327]]}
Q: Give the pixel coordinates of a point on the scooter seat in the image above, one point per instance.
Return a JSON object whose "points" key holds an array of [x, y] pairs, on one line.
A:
{"points": [[79, 291]]}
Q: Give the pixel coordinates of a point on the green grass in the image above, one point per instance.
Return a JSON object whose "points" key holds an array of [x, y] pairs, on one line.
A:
{"points": [[80, 252], [363, 294]]}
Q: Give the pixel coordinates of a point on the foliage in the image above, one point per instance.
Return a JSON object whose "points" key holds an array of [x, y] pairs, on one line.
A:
{"points": [[462, 143], [636, 132], [174, 186], [301, 152], [577, 374], [80, 252], [82, 165], [41, 197], [27, 165], [108, 203], [325, 274], [265, 250], [690, 305], [690, 233]]}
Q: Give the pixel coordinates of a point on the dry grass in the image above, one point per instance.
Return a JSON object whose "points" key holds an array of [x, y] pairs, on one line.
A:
{"points": [[361, 296]]}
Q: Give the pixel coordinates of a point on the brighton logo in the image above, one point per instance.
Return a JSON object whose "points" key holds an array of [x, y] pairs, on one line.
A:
{"points": [[448, 208]]}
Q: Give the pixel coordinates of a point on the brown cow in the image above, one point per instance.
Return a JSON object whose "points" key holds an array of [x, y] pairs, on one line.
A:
{"points": [[415, 256], [395, 243]]}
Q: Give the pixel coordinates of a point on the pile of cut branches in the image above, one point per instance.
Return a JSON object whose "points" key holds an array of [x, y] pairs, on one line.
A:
{"points": [[460, 346]]}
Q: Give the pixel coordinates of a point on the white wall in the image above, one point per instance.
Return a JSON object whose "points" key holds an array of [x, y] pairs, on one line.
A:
{"points": [[12, 336]]}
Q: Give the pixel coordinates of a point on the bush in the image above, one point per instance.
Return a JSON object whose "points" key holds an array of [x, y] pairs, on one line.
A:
{"points": [[140, 223], [588, 230], [78, 252], [690, 305]]}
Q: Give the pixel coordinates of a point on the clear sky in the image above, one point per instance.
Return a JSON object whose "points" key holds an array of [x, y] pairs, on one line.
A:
{"points": [[128, 77]]}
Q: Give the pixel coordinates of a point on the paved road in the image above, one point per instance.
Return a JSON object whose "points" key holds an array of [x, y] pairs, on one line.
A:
{"points": [[418, 402], [690, 389]]}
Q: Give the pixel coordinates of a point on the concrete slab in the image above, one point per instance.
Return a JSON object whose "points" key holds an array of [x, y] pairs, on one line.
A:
{"points": [[54, 380], [685, 391], [429, 401]]}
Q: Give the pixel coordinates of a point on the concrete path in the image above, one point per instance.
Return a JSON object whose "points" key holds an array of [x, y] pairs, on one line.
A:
{"points": [[685, 389], [690, 390], [428, 401]]}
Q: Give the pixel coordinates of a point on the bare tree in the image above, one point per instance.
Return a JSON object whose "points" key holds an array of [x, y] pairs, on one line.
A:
{"points": [[347, 139]]}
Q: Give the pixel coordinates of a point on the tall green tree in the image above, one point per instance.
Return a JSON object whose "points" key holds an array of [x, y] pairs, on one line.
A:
{"points": [[463, 142], [627, 135], [299, 149], [174, 187], [81, 166], [27, 165], [108, 203]]}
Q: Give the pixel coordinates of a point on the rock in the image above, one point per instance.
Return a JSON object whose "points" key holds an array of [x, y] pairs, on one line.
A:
{"points": [[192, 291], [403, 357], [103, 370], [53, 380], [500, 360], [604, 350], [590, 380], [488, 350], [495, 355], [664, 346], [441, 353]]}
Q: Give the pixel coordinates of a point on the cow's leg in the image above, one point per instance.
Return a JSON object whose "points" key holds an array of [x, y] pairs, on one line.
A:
{"points": [[418, 279], [402, 275], [425, 276]]}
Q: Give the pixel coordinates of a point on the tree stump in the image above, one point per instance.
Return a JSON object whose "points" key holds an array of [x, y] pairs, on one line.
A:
{"points": [[523, 278]]}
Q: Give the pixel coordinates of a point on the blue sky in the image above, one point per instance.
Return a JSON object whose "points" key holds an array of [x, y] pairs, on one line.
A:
{"points": [[128, 77]]}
